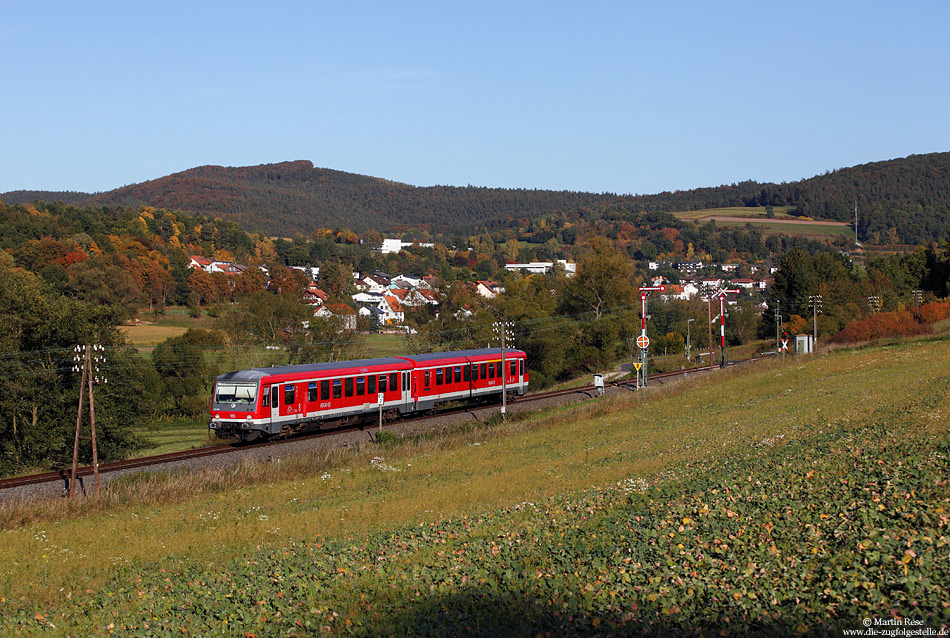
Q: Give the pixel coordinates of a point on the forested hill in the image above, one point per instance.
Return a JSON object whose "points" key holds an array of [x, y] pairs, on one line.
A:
{"points": [[23, 197], [903, 200], [294, 196]]}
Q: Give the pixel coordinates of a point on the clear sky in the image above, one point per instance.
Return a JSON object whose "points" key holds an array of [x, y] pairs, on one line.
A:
{"points": [[626, 97]]}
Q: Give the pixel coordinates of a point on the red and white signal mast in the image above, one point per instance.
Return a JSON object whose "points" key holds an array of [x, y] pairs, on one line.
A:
{"points": [[643, 341], [722, 321]]}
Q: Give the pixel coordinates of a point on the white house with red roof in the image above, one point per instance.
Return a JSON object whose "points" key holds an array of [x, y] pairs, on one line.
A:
{"points": [[391, 311], [314, 296], [199, 263], [489, 289]]}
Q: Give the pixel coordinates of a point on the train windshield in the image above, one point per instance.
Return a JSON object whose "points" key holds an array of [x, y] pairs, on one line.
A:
{"points": [[235, 393]]}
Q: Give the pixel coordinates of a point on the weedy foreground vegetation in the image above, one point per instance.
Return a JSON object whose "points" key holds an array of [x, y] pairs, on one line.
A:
{"points": [[779, 498]]}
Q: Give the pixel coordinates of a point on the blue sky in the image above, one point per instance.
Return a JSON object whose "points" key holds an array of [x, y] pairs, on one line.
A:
{"points": [[624, 97]]}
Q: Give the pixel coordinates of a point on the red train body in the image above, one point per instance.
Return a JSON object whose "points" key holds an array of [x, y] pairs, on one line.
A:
{"points": [[262, 402]]}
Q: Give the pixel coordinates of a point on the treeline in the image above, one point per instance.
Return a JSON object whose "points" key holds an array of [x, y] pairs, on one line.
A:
{"points": [[850, 293], [39, 389], [903, 200], [139, 257]]}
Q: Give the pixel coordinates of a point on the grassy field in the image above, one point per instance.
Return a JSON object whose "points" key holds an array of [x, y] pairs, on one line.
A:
{"points": [[378, 345], [782, 223], [153, 329], [781, 212], [773, 498], [175, 436], [799, 228]]}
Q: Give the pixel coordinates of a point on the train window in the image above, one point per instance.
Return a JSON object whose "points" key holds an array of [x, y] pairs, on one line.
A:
{"points": [[324, 390], [337, 388], [382, 383], [405, 381], [438, 376], [289, 394], [265, 400], [521, 366], [482, 371], [425, 377], [458, 374], [371, 384], [348, 387], [312, 391], [467, 373], [513, 368], [448, 375], [393, 384], [360, 386], [274, 389]]}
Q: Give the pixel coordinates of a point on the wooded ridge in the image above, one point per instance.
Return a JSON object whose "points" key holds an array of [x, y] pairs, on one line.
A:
{"points": [[904, 200]]}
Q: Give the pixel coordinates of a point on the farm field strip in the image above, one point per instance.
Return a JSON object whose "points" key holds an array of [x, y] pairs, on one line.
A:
{"points": [[567, 508], [781, 212]]}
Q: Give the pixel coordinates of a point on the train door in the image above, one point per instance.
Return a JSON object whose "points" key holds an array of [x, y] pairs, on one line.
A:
{"points": [[274, 403], [406, 389]]}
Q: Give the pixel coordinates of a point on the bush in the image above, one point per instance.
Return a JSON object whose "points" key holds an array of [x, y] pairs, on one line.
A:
{"points": [[881, 325], [934, 311], [386, 438]]}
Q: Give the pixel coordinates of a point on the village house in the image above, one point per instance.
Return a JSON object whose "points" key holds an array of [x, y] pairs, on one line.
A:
{"points": [[390, 246], [391, 311], [746, 284], [341, 311], [199, 263], [314, 296], [375, 283], [422, 296], [543, 267], [489, 289], [690, 267]]}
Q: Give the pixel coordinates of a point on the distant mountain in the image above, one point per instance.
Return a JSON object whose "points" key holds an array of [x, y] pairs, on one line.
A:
{"points": [[906, 200]]}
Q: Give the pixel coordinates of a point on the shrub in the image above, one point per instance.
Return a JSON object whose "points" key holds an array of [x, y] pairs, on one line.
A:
{"points": [[934, 311], [881, 325]]}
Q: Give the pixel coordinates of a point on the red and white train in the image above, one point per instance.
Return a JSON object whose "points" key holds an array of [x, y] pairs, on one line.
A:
{"points": [[262, 402]]}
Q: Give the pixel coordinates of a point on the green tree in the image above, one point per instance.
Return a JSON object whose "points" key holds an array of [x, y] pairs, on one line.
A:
{"points": [[604, 281], [187, 365]]}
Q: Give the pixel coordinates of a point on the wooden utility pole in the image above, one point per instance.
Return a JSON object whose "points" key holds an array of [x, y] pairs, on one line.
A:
{"points": [[815, 302], [85, 357]]}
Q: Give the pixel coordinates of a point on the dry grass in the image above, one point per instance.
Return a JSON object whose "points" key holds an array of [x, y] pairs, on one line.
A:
{"points": [[220, 515], [150, 334]]}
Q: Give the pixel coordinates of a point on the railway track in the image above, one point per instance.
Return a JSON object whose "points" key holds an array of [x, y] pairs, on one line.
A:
{"points": [[224, 448]]}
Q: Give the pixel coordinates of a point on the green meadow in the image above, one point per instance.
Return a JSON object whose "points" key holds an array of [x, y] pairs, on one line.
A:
{"points": [[780, 497]]}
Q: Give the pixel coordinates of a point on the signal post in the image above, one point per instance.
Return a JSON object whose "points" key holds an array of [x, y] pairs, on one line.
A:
{"points": [[643, 341], [722, 322]]}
